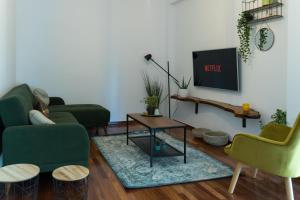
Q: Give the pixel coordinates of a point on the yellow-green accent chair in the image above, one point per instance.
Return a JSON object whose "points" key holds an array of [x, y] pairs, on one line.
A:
{"points": [[276, 150]]}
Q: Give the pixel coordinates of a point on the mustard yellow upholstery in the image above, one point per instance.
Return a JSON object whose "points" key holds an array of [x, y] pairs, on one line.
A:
{"points": [[276, 150]]}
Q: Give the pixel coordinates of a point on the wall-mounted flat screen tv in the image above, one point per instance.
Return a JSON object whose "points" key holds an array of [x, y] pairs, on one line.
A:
{"points": [[217, 69]]}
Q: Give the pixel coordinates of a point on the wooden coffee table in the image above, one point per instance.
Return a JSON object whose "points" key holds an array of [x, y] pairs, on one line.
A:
{"points": [[146, 142]]}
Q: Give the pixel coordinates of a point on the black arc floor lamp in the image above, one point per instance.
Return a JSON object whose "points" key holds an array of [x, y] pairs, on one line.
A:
{"points": [[148, 57]]}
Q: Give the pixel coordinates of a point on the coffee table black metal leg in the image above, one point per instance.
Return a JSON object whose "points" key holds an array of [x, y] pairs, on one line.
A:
{"points": [[127, 128], [184, 144], [151, 147]]}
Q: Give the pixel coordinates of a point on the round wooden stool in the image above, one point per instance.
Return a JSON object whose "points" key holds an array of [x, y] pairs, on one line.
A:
{"points": [[70, 182], [19, 181]]}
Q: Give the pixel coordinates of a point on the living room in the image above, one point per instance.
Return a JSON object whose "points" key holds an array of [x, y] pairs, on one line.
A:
{"points": [[93, 52]]}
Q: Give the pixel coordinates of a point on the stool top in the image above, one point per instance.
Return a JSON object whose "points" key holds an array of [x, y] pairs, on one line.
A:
{"points": [[18, 173], [70, 173]]}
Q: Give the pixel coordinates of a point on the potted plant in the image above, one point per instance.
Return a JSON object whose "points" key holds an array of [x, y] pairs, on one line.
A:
{"points": [[267, 2], [154, 90], [279, 117], [152, 103], [183, 87], [244, 30], [263, 35]]}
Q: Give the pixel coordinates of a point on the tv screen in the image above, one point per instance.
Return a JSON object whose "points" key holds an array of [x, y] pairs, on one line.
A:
{"points": [[216, 69]]}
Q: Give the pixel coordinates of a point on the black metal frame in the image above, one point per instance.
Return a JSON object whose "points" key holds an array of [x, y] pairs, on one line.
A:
{"points": [[169, 75], [20, 190], [262, 13], [152, 137], [71, 189]]}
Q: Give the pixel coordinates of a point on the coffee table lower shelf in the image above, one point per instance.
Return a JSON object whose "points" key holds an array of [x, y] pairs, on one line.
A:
{"points": [[166, 150]]}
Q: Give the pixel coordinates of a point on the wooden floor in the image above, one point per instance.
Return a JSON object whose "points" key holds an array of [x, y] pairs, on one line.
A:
{"points": [[103, 184]]}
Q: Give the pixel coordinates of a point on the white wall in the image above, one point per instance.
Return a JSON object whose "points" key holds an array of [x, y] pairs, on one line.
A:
{"points": [[202, 25], [90, 51], [7, 45], [293, 69]]}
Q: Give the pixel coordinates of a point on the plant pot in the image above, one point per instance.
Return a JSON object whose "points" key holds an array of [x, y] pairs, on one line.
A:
{"points": [[267, 2], [150, 110], [183, 92]]}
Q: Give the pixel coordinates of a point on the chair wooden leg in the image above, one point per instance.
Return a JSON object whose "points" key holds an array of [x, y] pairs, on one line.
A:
{"points": [[289, 188], [255, 173], [235, 177]]}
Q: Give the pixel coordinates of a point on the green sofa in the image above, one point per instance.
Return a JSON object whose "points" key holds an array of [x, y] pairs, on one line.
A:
{"points": [[48, 146]]}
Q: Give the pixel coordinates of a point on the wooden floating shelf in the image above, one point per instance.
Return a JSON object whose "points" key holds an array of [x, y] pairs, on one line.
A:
{"points": [[236, 110]]}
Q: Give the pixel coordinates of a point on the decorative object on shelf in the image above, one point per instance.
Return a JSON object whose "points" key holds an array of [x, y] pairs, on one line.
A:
{"points": [[264, 39], [216, 138], [198, 132], [236, 110], [154, 91], [263, 10], [244, 30], [148, 57], [183, 87], [268, 2], [246, 107]]}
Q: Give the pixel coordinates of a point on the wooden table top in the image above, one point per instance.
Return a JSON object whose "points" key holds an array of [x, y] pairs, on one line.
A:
{"points": [[236, 110], [156, 122], [18, 173], [70, 173]]}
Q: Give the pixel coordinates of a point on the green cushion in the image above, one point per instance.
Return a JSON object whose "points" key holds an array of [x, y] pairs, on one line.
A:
{"points": [[15, 106], [89, 115], [62, 117]]}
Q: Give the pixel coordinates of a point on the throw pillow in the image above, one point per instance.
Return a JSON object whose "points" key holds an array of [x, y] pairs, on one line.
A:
{"points": [[37, 118], [41, 95]]}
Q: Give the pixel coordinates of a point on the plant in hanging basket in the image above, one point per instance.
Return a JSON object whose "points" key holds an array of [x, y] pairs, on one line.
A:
{"points": [[244, 30], [262, 37]]}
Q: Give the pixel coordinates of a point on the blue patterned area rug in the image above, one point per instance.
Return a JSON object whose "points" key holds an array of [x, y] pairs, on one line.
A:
{"points": [[131, 164]]}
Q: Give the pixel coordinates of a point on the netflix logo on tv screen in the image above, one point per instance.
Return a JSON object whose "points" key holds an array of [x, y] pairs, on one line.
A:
{"points": [[216, 69]]}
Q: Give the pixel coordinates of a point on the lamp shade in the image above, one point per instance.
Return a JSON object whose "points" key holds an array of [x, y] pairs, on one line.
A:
{"points": [[148, 57]]}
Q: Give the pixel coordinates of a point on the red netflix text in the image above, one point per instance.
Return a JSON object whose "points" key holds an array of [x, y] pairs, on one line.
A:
{"points": [[213, 68]]}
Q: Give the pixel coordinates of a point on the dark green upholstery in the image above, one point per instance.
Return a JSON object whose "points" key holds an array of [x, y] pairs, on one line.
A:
{"points": [[56, 101], [62, 117], [48, 146], [15, 106], [89, 115]]}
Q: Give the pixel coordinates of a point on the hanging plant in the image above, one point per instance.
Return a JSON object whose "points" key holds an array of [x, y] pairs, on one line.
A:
{"points": [[262, 37], [244, 30]]}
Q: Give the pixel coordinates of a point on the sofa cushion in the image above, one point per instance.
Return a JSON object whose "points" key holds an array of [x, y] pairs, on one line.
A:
{"points": [[38, 118], [15, 106], [62, 117], [89, 115]]}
